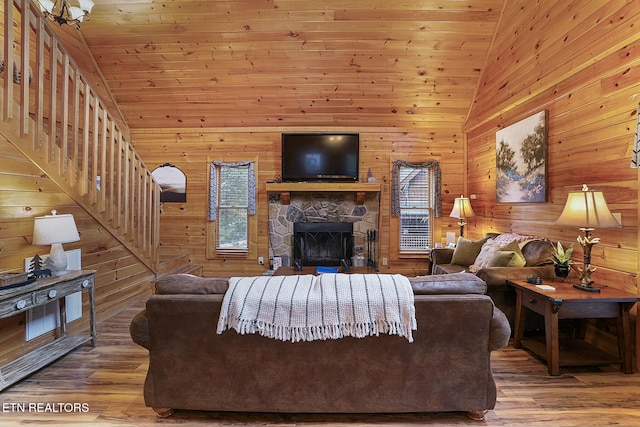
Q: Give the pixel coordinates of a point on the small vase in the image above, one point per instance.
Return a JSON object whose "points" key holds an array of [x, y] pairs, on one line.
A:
{"points": [[561, 270]]}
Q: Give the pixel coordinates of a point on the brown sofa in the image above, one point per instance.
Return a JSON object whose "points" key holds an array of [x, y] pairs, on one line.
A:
{"points": [[446, 368], [537, 253]]}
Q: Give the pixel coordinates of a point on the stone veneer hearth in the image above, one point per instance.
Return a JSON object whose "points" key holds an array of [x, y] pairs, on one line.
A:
{"points": [[320, 207]]}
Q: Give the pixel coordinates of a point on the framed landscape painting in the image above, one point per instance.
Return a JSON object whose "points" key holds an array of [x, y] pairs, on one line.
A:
{"points": [[172, 181], [521, 161]]}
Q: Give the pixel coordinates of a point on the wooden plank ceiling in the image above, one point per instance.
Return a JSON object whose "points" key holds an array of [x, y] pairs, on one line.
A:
{"points": [[408, 64]]}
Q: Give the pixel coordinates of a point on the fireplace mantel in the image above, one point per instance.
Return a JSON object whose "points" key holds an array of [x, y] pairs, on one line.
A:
{"points": [[286, 188]]}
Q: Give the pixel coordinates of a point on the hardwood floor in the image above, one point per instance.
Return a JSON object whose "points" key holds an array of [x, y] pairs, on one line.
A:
{"points": [[105, 383]]}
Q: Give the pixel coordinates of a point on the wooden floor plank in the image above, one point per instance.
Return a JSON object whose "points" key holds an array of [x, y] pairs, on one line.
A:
{"points": [[105, 383]]}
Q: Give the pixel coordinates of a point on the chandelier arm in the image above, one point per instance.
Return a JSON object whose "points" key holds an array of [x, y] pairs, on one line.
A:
{"points": [[62, 13]]}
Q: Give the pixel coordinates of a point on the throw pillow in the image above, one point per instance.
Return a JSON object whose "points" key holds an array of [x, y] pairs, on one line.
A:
{"points": [[506, 259], [508, 255], [515, 248], [467, 251], [486, 252]]}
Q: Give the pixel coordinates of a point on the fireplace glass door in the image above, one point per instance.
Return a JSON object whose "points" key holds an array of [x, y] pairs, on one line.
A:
{"points": [[322, 244]]}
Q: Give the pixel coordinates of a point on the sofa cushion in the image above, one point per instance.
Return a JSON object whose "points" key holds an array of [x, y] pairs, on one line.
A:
{"points": [[538, 252], [467, 251], [190, 284], [457, 283]]}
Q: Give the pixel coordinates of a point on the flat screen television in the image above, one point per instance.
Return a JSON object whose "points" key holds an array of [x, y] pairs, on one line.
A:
{"points": [[320, 157]]}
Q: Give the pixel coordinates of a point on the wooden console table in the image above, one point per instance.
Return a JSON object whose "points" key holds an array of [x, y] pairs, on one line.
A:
{"points": [[42, 292], [566, 302]]}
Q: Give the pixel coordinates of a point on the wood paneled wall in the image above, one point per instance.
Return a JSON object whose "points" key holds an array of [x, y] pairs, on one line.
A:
{"points": [[581, 65], [25, 192], [183, 226], [586, 74]]}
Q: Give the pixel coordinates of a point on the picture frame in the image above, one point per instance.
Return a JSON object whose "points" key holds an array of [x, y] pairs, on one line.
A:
{"points": [[172, 181], [521, 161]]}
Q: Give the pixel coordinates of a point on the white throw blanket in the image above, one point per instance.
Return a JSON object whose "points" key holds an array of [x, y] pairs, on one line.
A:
{"points": [[329, 306]]}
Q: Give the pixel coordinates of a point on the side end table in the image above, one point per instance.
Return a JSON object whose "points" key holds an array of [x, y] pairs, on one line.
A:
{"points": [[566, 302]]}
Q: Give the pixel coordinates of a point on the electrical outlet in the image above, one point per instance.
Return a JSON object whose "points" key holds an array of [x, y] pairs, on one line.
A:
{"points": [[261, 260], [385, 261]]}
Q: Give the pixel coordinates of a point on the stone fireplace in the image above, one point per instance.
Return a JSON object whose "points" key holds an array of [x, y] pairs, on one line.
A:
{"points": [[321, 207]]}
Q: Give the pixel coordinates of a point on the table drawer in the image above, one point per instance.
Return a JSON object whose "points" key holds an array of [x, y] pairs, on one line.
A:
{"points": [[61, 289], [534, 302], [17, 304]]}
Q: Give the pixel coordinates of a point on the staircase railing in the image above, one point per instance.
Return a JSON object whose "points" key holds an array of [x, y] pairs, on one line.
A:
{"points": [[53, 116]]}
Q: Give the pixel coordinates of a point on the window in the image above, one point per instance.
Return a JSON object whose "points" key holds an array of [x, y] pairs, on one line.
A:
{"points": [[415, 199], [232, 200]]}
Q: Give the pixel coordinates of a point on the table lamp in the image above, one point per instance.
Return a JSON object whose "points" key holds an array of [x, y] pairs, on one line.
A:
{"points": [[461, 210], [55, 230], [588, 210]]}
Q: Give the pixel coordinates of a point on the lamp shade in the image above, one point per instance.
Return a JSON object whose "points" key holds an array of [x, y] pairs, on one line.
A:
{"points": [[52, 229], [46, 5], [86, 5], [587, 209], [462, 208], [76, 13]]}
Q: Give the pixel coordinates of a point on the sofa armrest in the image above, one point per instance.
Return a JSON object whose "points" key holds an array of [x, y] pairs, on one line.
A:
{"points": [[499, 275], [441, 256], [500, 330], [189, 284], [139, 330]]}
